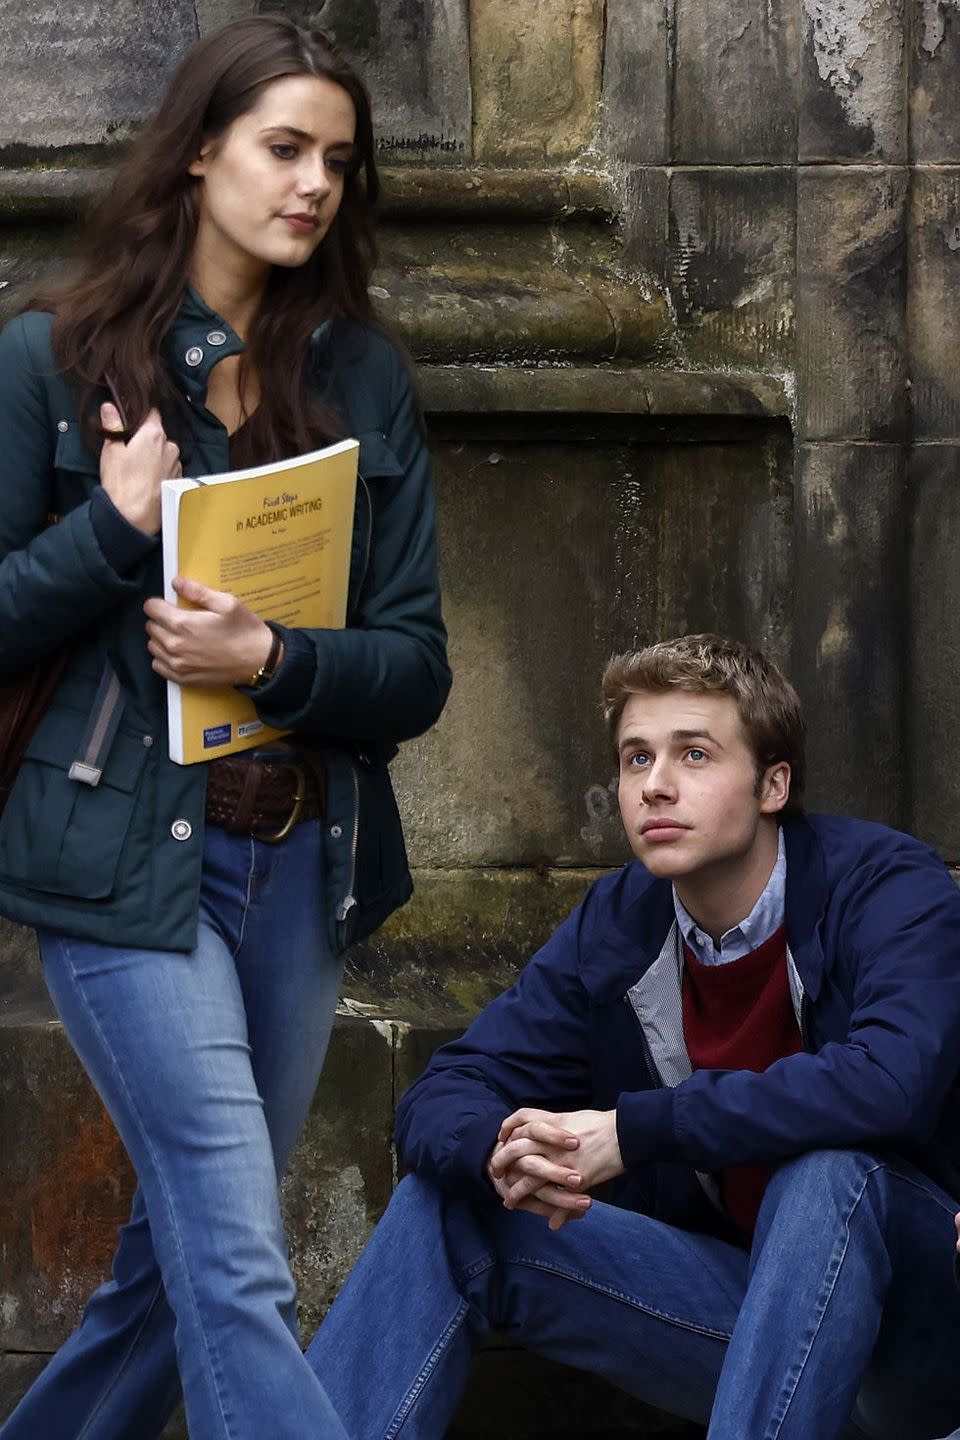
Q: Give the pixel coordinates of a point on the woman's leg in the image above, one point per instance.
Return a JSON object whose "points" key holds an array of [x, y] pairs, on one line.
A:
{"points": [[117, 1374]]}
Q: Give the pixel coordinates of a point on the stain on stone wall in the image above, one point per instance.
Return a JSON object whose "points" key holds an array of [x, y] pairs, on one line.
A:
{"points": [[858, 109]]}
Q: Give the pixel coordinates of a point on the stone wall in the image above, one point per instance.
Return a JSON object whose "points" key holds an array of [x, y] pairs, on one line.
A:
{"points": [[683, 282]]}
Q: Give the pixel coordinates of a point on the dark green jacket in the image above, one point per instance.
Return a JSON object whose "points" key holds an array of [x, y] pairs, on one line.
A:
{"points": [[105, 862]]}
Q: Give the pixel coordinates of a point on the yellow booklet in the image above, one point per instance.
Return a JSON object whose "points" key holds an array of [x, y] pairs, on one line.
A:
{"points": [[278, 537]]}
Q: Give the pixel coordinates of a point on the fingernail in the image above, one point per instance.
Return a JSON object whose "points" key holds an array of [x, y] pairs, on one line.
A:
{"points": [[573, 1179], [571, 1142]]}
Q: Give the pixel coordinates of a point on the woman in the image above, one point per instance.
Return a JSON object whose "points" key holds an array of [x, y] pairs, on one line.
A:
{"points": [[223, 300]]}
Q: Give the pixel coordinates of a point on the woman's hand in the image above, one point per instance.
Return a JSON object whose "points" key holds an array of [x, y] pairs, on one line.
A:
{"points": [[220, 642], [131, 471]]}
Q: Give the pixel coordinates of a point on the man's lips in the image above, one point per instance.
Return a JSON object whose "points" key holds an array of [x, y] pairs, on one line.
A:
{"points": [[303, 222], [662, 829]]}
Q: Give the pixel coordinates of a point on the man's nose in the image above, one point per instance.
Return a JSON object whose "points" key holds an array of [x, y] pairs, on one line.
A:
{"points": [[658, 782]]}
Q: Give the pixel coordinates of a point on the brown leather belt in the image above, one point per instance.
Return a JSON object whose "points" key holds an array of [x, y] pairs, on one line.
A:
{"points": [[263, 798]]}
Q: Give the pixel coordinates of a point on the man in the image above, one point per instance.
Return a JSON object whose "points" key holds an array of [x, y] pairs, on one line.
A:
{"points": [[749, 1039]]}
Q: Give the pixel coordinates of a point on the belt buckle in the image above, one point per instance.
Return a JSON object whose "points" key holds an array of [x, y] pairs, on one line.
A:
{"points": [[295, 811]]}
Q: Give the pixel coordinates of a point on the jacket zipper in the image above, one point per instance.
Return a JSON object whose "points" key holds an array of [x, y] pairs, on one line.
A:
{"points": [[366, 552], [349, 900], [652, 1070]]}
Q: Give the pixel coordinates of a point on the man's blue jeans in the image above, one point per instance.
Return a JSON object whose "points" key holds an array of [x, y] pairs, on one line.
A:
{"points": [[845, 1307], [207, 1062]]}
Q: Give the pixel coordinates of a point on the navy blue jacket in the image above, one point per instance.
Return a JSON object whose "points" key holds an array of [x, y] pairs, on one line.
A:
{"points": [[873, 934]]}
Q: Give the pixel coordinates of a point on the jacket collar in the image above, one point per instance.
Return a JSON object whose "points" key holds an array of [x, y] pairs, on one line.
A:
{"points": [[807, 898], [196, 340], [642, 913]]}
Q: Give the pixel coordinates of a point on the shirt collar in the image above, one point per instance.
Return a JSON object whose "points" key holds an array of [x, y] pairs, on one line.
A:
{"points": [[764, 919]]}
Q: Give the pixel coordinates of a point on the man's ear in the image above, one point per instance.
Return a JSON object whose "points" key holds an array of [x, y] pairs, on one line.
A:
{"points": [[775, 788]]}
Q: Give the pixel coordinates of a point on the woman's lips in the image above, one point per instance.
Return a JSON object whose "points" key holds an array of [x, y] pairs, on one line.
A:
{"points": [[303, 224]]}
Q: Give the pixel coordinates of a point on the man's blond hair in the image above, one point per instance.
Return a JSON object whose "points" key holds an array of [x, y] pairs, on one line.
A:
{"points": [[769, 707]]}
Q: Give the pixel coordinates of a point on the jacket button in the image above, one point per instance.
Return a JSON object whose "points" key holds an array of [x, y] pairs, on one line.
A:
{"points": [[148, 741], [336, 831], [216, 337], [194, 355], [63, 426], [181, 829]]}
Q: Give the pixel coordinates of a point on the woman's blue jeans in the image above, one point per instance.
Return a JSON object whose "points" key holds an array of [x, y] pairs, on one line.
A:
{"points": [[843, 1320], [207, 1063]]}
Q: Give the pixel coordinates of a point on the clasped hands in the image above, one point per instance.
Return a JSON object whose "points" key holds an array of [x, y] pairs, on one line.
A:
{"points": [[546, 1163]]}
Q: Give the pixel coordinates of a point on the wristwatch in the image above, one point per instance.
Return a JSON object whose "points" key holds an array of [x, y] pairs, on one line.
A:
{"points": [[272, 663]]}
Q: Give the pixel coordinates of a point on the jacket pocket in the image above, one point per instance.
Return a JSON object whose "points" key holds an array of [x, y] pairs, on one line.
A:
{"points": [[59, 835], [381, 878]]}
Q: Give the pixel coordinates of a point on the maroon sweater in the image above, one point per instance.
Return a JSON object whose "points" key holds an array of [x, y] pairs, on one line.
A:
{"points": [[739, 1016]]}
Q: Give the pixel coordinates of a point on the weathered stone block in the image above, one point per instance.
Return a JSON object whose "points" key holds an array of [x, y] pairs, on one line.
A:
{"points": [[66, 1187], [853, 102], [635, 104], [935, 82], [645, 220], [933, 302], [935, 646], [67, 1183], [554, 555], [460, 941], [734, 93], [341, 1173], [82, 76], [26, 254], [211, 14], [536, 78], [731, 265], [851, 283], [850, 625], [414, 55]]}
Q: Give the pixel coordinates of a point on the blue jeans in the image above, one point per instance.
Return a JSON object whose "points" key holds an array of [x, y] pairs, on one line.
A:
{"points": [[207, 1063], [843, 1320]]}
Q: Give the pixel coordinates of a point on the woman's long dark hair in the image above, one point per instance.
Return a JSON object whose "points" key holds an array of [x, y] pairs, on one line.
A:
{"points": [[112, 313]]}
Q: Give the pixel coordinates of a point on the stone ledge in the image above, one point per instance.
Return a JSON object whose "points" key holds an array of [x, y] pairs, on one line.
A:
{"points": [[600, 389], [59, 192]]}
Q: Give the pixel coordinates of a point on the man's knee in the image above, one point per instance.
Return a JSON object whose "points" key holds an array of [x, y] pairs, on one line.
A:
{"points": [[821, 1182]]}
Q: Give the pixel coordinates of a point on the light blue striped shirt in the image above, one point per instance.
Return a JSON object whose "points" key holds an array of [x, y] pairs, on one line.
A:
{"points": [[764, 920]]}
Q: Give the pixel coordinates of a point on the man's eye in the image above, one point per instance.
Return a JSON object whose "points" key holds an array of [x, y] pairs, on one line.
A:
{"points": [[639, 759], [284, 151], [697, 754]]}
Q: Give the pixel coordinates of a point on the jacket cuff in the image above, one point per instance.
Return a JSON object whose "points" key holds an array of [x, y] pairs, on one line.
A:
{"points": [[473, 1146], [123, 545], [291, 686], [645, 1129]]}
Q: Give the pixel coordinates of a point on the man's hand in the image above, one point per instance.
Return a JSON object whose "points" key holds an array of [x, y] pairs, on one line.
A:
{"points": [[544, 1162], [552, 1159], [220, 642]]}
